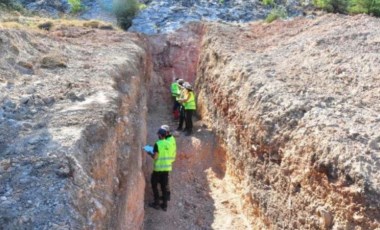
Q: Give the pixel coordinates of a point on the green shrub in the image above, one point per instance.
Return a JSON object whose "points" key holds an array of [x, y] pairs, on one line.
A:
{"points": [[76, 6], [365, 6], [6, 2], [268, 2], [125, 11], [11, 4], [142, 6], [333, 6], [276, 13]]}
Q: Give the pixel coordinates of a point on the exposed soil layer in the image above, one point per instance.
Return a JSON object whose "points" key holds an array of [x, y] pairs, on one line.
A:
{"points": [[296, 105]]}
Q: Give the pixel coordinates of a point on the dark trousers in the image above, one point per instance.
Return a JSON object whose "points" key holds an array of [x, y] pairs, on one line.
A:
{"points": [[189, 120], [161, 178], [176, 104], [181, 116]]}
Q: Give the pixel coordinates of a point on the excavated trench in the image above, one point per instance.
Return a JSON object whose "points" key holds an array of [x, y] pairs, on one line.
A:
{"points": [[261, 156], [205, 192], [203, 195]]}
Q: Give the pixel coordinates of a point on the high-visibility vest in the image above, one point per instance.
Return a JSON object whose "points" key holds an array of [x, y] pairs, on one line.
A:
{"points": [[174, 88], [181, 94], [190, 104], [164, 161], [172, 146]]}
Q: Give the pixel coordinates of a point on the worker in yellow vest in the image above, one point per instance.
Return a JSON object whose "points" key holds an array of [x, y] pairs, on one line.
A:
{"points": [[181, 107], [162, 165], [175, 91], [189, 104], [173, 150]]}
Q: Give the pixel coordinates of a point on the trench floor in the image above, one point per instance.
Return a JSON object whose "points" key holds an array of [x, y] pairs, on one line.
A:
{"points": [[202, 194]]}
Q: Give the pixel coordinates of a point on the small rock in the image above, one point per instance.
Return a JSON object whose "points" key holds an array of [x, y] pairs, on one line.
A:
{"points": [[45, 25], [30, 90], [48, 100], [326, 217], [8, 104], [64, 171], [73, 97], [34, 140], [24, 100], [53, 61], [374, 144], [27, 126]]}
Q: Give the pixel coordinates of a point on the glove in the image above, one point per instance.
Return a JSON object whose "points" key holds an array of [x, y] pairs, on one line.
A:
{"points": [[148, 149]]}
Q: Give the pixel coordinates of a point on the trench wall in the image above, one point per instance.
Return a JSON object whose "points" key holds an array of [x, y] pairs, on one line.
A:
{"points": [[72, 124], [288, 136]]}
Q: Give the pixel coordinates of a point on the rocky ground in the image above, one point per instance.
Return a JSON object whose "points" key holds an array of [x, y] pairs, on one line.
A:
{"points": [[163, 16], [167, 16]]}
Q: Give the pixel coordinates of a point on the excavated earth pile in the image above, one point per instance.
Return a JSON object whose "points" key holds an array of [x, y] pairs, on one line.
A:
{"points": [[296, 105], [72, 122]]}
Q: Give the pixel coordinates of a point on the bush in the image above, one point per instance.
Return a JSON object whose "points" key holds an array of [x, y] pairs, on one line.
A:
{"points": [[276, 13], [11, 4], [365, 6], [268, 2], [76, 6], [125, 11], [6, 2], [332, 6]]}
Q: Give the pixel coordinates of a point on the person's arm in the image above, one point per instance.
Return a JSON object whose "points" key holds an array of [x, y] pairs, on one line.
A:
{"points": [[187, 97], [155, 152]]}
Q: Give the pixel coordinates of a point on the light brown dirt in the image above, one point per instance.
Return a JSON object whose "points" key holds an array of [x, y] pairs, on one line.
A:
{"points": [[203, 196], [296, 104], [70, 100]]}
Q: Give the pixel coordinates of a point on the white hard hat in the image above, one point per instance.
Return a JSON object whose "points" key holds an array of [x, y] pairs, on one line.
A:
{"points": [[165, 127]]}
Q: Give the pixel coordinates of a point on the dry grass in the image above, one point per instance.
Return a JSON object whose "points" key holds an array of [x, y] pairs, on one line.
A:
{"points": [[17, 21]]}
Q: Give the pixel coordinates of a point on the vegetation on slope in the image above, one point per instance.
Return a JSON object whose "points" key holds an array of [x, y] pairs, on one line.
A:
{"points": [[371, 7], [125, 11]]}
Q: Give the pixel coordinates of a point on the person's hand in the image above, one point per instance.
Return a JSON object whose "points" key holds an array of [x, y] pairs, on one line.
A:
{"points": [[148, 149]]}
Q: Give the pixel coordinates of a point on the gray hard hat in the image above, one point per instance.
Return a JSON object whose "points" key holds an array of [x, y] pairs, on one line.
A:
{"points": [[187, 86]]}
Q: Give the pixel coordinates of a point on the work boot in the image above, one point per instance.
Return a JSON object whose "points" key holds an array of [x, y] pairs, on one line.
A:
{"points": [[179, 129], [164, 207], [167, 196], [154, 205]]}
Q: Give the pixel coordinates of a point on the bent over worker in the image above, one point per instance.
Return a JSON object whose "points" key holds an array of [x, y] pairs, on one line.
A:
{"points": [[175, 91], [162, 165]]}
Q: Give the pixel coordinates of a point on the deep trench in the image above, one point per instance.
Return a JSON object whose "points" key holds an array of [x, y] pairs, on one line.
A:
{"points": [[203, 196]]}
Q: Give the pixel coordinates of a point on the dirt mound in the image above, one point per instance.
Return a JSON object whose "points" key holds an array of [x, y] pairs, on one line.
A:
{"points": [[70, 99], [296, 104]]}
